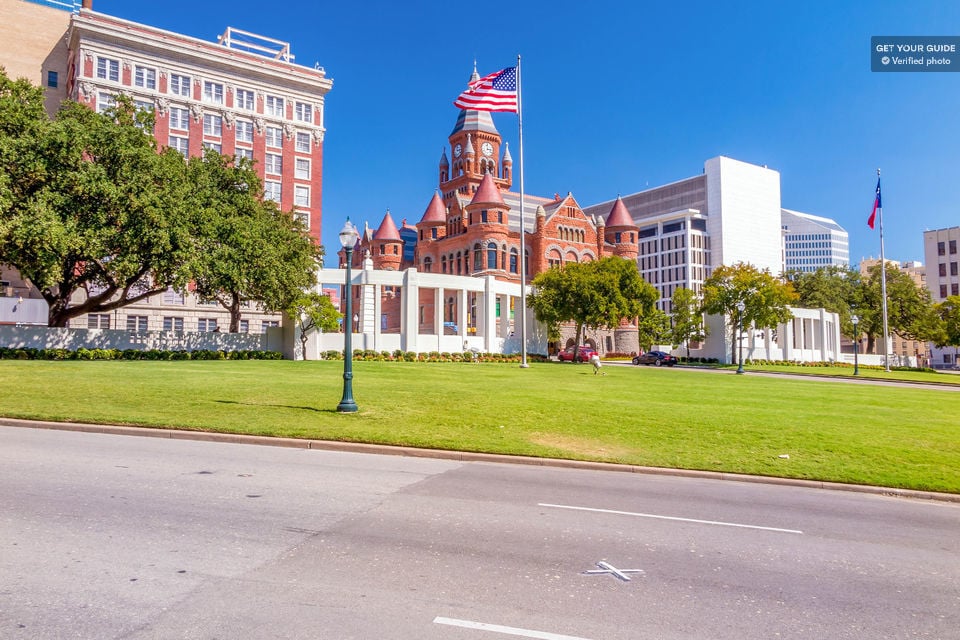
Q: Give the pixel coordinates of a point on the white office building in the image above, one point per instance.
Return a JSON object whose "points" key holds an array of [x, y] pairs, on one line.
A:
{"points": [[812, 242]]}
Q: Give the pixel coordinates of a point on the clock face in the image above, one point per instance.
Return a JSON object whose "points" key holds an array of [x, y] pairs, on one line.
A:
{"points": [[486, 148], [457, 150]]}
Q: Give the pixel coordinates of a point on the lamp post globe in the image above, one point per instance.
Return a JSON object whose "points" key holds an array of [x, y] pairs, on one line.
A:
{"points": [[740, 308], [856, 344], [348, 239]]}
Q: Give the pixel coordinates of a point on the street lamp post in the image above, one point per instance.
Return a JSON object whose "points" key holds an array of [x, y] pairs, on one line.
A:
{"points": [[856, 345], [348, 239], [740, 307]]}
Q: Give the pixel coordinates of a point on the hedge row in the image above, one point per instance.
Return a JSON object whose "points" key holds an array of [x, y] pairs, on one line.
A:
{"points": [[431, 356], [133, 354]]}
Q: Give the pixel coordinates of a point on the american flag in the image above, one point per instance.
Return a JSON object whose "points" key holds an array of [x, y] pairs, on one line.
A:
{"points": [[495, 92]]}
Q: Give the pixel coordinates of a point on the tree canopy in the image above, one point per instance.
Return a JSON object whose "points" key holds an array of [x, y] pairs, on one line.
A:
{"points": [[591, 295], [766, 299], [248, 250], [313, 311], [88, 204], [687, 318]]}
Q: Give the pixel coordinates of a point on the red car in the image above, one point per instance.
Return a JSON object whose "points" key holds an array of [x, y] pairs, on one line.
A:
{"points": [[583, 354]]}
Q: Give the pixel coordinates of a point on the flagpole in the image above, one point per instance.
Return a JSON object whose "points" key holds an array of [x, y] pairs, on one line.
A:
{"points": [[883, 287], [523, 233]]}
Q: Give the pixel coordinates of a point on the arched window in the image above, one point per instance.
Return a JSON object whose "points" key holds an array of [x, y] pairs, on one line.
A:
{"points": [[428, 264], [459, 263], [443, 264], [477, 257], [491, 256], [513, 261]]}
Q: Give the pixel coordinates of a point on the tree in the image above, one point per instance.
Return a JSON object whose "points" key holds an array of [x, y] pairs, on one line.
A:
{"points": [[248, 250], [834, 288], [591, 295], [910, 310], [766, 299], [313, 311], [87, 204], [653, 328], [687, 319]]}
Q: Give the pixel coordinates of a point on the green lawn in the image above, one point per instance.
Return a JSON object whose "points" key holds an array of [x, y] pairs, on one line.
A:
{"points": [[898, 437]]}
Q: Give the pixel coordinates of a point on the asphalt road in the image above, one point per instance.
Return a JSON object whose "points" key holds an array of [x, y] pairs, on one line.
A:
{"points": [[106, 536]]}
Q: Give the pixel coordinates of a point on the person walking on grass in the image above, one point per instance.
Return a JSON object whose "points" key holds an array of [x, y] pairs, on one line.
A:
{"points": [[595, 361]]}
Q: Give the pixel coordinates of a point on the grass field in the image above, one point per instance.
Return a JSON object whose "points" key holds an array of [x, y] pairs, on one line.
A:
{"points": [[680, 418]]}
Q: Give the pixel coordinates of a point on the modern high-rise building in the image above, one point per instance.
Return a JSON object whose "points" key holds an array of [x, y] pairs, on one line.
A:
{"points": [[242, 95], [813, 242], [731, 213]]}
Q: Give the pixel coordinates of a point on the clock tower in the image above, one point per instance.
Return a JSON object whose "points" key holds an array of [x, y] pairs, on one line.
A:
{"points": [[475, 150]]}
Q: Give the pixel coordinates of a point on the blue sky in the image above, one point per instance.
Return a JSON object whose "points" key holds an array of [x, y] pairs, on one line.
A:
{"points": [[621, 96]]}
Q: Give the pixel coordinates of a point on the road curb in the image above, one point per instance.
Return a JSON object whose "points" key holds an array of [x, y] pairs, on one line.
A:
{"points": [[466, 456]]}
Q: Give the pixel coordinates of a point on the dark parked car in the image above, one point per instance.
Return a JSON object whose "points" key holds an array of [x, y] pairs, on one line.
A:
{"points": [[583, 355], [658, 358]]}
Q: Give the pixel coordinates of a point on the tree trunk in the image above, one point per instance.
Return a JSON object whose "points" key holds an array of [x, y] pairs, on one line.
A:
{"points": [[234, 312]]}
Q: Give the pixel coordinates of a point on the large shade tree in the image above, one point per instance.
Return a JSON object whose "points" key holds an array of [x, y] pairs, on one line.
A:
{"points": [[247, 249], [88, 204], [687, 318], [766, 299], [834, 288], [591, 295], [910, 309]]}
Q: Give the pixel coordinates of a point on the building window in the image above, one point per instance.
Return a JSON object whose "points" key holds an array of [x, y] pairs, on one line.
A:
{"points": [[244, 131], [179, 118], [104, 102], [303, 218], [301, 195], [953, 268], [491, 256], [172, 323], [513, 260], [303, 142], [274, 136], [212, 125], [136, 323], [303, 112], [207, 325], [953, 247], [954, 289], [108, 69], [244, 153], [53, 79], [273, 163], [273, 106], [145, 77], [244, 99], [943, 291], [267, 324], [212, 92], [244, 326], [213, 146], [180, 85], [301, 169], [477, 258], [98, 321], [271, 190], [180, 144], [428, 264], [941, 249], [172, 296]]}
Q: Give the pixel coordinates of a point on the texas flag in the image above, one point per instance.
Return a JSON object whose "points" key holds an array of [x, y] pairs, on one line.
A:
{"points": [[876, 207]]}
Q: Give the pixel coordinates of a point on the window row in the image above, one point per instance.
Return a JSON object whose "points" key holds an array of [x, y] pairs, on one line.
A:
{"points": [[954, 290], [942, 249], [171, 323], [489, 257], [943, 269], [213, 92]]}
